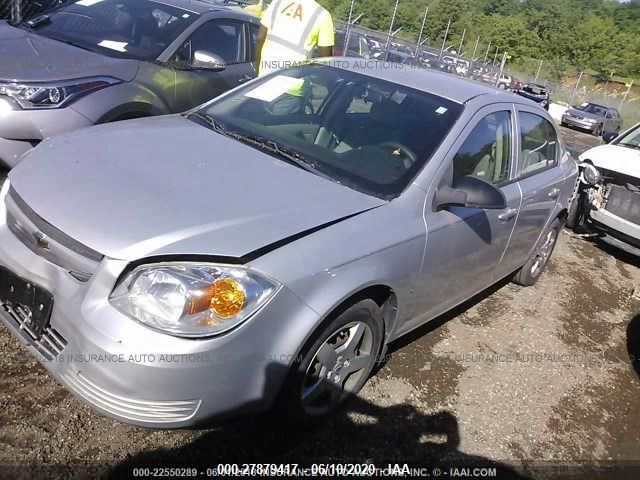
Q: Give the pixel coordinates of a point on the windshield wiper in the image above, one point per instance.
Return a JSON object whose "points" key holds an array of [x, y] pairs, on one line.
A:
{"points": [[630, 145], [208, 121], [271, 146], [39, 21]]}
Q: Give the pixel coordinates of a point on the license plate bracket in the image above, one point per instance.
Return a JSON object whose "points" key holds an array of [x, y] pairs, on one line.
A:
{"points": [[31, 302]]}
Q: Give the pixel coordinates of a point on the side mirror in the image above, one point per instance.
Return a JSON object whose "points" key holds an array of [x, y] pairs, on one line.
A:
{"points": [[203, 60], [609, 137], [470, 192]]}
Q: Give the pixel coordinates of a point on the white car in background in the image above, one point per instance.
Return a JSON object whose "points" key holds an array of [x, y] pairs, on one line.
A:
{"points": [[608, 197]]}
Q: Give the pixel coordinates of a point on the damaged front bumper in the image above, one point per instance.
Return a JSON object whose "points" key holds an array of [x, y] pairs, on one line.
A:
{"points": [[614, 212]]}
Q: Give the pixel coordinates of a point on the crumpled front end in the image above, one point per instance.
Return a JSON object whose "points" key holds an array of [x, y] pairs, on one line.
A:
{"points": [[614, 210]]}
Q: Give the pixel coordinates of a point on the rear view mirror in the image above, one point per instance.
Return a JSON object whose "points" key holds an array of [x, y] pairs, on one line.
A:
{"points": [[609, 137], [203, 60], [470, 192]]}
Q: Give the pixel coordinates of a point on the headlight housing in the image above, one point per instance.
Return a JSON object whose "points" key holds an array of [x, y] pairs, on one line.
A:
{"points": [[33, 96], [590, 174], [189, 299]]}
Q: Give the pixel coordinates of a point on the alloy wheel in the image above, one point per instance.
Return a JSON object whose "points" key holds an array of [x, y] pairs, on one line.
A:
{"points": [[337, 367], [544, 253]]}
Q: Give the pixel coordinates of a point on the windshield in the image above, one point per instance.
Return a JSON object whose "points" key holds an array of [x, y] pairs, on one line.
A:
{"points": [[366, 133], [140, 29], [631, 139], [592, 108]]}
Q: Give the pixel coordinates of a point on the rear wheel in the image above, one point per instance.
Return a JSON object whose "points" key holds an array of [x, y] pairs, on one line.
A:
{"points": [[336, 363], [531, 271]]}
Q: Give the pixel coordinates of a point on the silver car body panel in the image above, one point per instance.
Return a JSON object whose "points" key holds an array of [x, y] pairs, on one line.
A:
{"points": [[28, 57], [616, 223], [192, 208]]}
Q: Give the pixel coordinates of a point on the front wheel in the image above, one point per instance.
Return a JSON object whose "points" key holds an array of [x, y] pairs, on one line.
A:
{"points": [[598, 131], [576, 212], [335, 363], [531, 271]]}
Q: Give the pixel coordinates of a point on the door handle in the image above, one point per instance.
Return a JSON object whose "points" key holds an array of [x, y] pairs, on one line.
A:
{"points": [[553, 194], [508, 215]]}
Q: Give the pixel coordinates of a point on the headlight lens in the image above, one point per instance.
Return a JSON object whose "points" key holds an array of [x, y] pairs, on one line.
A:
{"points": [[192, 299], [53, 95], [591, 174]]}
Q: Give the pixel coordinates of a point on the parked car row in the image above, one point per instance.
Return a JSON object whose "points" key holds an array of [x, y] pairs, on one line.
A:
{"points": [[274, 244]]}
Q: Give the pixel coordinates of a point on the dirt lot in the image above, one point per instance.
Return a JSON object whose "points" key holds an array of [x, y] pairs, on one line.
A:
{"points": [[518, 375]]}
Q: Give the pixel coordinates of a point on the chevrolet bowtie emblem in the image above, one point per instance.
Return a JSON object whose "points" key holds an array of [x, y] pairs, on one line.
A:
{"points": [[40, 241]]}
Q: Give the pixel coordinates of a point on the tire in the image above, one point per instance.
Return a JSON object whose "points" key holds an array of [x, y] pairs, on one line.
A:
{"points": [[325, 377], [598, 131], [532, 270], [576, 213]]}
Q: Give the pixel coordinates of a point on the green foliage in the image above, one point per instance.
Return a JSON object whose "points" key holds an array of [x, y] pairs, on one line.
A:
{"points": [[600, 35]]}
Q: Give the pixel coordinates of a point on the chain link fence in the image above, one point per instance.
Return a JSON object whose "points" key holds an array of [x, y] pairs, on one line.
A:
{"points": [[571, 86], [568, 85]]}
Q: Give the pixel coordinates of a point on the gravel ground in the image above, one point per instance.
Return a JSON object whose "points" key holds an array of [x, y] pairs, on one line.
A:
{"points": [[517, 375]]}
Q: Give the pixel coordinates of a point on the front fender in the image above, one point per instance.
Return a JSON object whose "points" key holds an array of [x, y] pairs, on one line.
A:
{"points": [[118, 100], [381, 247]]}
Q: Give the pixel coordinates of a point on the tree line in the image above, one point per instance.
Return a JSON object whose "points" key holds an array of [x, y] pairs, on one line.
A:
{"points": [[598, 35]]}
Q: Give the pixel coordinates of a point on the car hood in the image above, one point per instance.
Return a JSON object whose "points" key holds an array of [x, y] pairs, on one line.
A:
{"points": [[28, 57], [580, 113], [617, 159], [167, 185]]}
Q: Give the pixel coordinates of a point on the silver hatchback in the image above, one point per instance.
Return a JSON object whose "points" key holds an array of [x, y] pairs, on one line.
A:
{"points": [[264, 249]]}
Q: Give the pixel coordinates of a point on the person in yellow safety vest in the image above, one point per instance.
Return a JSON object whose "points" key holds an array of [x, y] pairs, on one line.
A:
{"points": [[290, 31], [257, 10]]}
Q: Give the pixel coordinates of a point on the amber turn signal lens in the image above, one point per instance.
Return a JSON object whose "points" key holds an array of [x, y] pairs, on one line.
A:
{"points": [[225, 297], [228, 298]]}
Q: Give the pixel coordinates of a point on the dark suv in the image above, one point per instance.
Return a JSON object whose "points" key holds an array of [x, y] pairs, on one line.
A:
{"points": [[536, 92]]}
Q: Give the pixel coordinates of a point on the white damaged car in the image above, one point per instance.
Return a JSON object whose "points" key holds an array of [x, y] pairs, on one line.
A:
{"points": [[607, 201]]}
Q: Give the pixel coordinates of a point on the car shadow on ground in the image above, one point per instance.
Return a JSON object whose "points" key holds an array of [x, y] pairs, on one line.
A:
{"points": [[437, 322], [360, 432], [617, 253], [633, 343]]}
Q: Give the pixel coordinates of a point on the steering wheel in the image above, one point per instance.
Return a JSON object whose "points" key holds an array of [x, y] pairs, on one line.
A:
{"points": [[403, 153]]}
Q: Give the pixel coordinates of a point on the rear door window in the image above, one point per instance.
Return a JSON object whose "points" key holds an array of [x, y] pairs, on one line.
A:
{"points": [[538, 144]]}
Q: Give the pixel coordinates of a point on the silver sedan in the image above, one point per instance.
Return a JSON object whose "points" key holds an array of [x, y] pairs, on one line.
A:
{"points": [[262, 250]]}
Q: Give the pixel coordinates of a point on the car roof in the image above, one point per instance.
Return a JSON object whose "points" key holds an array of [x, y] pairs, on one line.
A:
{"points": [[196, 6], [601, 106], [444, 85]]}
